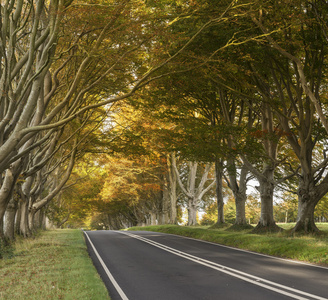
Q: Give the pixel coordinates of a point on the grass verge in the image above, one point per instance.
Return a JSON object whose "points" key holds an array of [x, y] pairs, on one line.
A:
{"points": [[54, 265], [307, 248]]}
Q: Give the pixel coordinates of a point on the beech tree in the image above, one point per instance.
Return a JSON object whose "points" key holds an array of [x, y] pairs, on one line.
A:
{"points": [[171, 188], [230, 83], [28, 35], [299, 76], [135, 185], [200, 95], [134, 134], [193, 189], [49, 73]]}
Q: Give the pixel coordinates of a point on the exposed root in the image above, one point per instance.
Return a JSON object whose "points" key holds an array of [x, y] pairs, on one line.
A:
{"points": [[240, 227], [219, 226], [271, 228], [305, 228]]}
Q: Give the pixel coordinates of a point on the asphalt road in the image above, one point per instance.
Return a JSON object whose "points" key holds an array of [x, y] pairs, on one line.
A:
{"points": [[154, 266]]}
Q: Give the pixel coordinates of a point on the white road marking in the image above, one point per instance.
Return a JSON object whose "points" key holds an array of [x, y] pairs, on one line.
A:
{"points": [[252, 252], [270, 285], [109, 274]]}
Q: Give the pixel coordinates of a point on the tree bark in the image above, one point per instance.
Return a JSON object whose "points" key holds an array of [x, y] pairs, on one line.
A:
{"points": [[239, 191], [305, 220], [172, 189], [31, 221], [44, 201], [153, 218], [308, 197], [166, 207], [240, 200], [266, 192], [18, 217], [219, 191], [24, 205], [194, 194], [267, 222], [299, 117], [9, 226], [24, 221], [192, 212], [5, 196]]}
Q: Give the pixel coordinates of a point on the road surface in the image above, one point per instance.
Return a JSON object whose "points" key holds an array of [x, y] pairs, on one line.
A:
{"points": [[146, 265]]}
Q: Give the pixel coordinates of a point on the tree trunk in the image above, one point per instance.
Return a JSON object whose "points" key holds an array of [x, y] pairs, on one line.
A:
{"points": [[37, 219], [305, 220], [153, 218], [219, 191], [31, 219], [5, 196], [240, 200], [37, 205], [43, 222], [307, 200], [239, 191], [24, 224], [174, 214], [266, 219], [172, 189], [286, 216], [267, 222], [192, 212], [18, 217], [9, 225], [25, 195], [3, 207], [165, 218]]}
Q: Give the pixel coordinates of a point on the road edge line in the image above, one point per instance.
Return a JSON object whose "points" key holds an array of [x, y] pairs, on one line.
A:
{"points": [[247, 251], [264, 283], [108, 273]]}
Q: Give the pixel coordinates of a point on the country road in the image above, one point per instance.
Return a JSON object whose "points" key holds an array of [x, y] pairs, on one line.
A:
{"points": [[155, 266]]}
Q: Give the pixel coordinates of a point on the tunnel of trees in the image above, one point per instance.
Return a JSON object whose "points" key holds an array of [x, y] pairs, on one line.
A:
{"points": [[123, 113]]}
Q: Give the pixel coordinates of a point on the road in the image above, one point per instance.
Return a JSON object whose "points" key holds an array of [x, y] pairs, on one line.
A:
{"points": [[144, 265]]}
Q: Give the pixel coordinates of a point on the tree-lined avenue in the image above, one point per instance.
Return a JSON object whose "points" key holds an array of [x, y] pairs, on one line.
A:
{"points": [[148, 265]]}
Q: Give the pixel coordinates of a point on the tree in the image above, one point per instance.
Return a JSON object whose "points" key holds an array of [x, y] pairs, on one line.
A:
{"points": [[133, 135], [299, 73], [265, 173], [207, 110], [50, 75], [172, 188], [132, 190], [193, 189]]}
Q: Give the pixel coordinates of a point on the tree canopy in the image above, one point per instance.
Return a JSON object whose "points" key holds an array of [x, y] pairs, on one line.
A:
{"points": [[125, 113]]}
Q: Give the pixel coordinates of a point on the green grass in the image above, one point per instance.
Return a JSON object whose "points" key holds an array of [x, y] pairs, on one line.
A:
{"points": [[307, 248], [54, 265]]}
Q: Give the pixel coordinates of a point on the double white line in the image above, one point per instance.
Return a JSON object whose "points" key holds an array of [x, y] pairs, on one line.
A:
{"points": [[270, 285]]}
